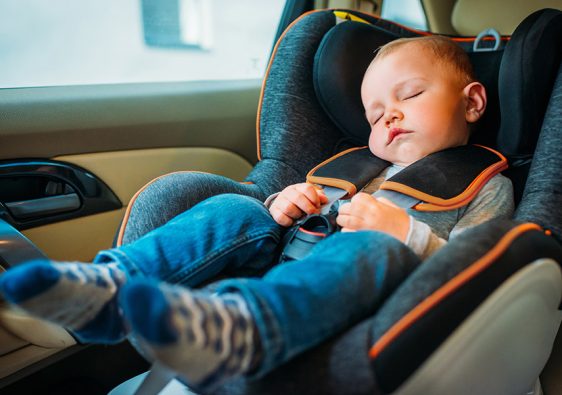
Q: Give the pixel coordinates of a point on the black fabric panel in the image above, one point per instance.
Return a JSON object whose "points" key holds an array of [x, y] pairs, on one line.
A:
{"points": [[531, 60], [340, 62], [406, 353], [486, 66], [337, 366], [447, 173], [358, 167]]}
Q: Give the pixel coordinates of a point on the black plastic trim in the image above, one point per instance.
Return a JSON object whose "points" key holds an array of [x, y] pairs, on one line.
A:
{"points": [[95, 196], [15, 247]]}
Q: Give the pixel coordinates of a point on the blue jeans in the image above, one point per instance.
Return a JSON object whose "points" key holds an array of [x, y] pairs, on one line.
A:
{"points": [[297, 304]]}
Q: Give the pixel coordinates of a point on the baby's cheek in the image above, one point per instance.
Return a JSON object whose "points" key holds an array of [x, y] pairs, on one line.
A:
{"points": [[375, 145]]}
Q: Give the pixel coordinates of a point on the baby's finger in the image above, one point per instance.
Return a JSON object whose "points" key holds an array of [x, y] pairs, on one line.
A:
{"points": [[349, 221], [287, 207], [280, 217], [322, 196], [387, 202], [345, 209], [310, 192], [362, 199], [302, 201]]}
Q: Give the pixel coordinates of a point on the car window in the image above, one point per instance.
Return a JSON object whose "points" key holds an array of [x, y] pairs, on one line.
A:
{"points": [[406, 12], [75, 42]]}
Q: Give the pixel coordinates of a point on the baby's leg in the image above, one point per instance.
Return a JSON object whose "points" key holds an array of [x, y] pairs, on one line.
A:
{"points": [[294, 307], [224, 231]]}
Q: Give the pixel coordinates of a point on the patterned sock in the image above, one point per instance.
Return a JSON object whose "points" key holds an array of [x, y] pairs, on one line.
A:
{"points": [[205, 338], [78, 296]]}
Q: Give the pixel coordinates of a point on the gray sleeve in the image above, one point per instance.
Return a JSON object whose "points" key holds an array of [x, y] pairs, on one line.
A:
{"points": [[495, 200], [422, 240], [270, 199]]}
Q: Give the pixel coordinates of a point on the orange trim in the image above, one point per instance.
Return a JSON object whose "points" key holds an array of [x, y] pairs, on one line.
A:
{"points": [[334, 182], [309, 232], [451, 286], [432, 203], [119, 241]]}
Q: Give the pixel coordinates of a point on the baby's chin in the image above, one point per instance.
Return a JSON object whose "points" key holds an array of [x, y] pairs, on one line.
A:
{"points": [[403, 155]]}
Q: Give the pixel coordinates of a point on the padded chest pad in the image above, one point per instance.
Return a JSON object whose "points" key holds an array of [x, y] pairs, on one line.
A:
{"points": [[442, 181], [349, 170]]}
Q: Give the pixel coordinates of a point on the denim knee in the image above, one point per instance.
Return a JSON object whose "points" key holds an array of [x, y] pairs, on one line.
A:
{"points": [[232, 203], [360, 243]]}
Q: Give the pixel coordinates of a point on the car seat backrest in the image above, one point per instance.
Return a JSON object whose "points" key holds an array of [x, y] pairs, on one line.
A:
{"points": [[470, 17]]}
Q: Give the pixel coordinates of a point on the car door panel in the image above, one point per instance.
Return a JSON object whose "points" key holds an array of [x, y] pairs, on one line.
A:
{"points": [[127, 135]]}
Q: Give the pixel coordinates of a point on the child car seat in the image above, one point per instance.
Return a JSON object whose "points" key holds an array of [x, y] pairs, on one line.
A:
{"points": [[478, 317]]}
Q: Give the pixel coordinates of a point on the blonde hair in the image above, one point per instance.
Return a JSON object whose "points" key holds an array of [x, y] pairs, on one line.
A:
{"points": [[445, 51]]}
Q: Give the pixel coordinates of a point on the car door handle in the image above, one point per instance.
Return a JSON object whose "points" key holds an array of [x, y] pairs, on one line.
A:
{"points": [[44, 206]]}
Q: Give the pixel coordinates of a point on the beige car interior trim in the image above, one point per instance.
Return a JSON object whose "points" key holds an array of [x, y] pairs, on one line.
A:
{"points": [[485, 355], [125, 172], [369, 6], [55, 121], [77, 239], [470, 17], [24, 357], [9, 342], [438, 15], [35, 331]]}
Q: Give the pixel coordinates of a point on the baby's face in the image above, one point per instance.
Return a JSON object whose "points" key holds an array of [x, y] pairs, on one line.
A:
{"points": [[415, 106]]}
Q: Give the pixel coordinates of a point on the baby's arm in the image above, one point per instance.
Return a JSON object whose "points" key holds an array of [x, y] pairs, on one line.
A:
{"points": [[295, 201], [365, 212], [495, 200]]}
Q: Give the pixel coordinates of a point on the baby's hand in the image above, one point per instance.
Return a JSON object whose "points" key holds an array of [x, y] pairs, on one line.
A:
{"points": [[365, 212], [295, 201]]}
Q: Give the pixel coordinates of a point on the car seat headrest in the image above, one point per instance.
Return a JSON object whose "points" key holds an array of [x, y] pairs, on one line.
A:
{"points": [[345, 53], [340, 62], [525, 71]]}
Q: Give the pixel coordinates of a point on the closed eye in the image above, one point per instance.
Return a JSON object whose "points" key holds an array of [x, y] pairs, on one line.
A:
{"points": [[376, 120], [414, 95]]}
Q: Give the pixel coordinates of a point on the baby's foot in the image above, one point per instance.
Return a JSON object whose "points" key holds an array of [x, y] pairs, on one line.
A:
{"points": [[78, 296], [205, 338]]}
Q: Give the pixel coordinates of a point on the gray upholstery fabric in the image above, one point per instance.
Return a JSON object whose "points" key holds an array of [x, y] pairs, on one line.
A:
{"points": [[173, 194], [542, 196], [292, 120]]}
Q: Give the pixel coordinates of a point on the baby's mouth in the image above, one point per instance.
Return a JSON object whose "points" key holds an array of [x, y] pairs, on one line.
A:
{"points": [[396, 132]]}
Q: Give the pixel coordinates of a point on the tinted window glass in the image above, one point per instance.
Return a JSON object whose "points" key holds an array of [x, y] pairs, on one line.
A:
{"points": [[69, 42]]}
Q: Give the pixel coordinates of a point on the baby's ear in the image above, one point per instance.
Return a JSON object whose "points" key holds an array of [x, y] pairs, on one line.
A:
{"points": [[475, 94]]}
